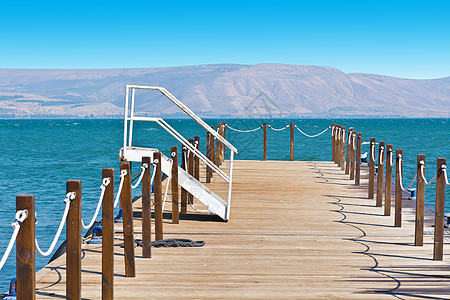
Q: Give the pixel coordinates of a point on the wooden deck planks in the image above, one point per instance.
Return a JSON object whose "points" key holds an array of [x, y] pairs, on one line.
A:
{"points": [[297, 230]]}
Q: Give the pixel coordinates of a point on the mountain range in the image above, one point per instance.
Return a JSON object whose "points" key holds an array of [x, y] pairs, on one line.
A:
{"points": [[221, 90]]}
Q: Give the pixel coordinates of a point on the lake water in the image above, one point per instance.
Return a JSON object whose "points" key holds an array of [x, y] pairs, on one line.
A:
{"points": [[38, 156]]}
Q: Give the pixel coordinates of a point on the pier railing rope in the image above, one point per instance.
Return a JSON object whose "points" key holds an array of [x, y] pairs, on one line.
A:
{"points": [[105, 183], [244, 131], [314, 135], [21, 215], [69, 197], [400, 161], [444, 170], [167, 184], [278, 129], [422, 175], [123, 173], [143, 168]]}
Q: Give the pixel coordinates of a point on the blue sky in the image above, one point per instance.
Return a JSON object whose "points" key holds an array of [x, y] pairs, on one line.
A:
{"points": [[408, 39]]}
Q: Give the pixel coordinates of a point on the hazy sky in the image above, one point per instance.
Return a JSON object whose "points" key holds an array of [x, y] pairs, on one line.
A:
{"points": [[399, 38]]}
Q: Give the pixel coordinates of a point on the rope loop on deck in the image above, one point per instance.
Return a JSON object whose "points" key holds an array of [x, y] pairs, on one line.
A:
{"points": [[69, 197], [105, 183], [444, 170], [315, 135], [244, 131], [422, 174], [123, 173], [21, 215], [278, 129], [143, 168], [400, 162]]}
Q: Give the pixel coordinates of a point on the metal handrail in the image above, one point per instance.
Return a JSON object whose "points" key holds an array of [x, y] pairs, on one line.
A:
{"points": [[129, 116], [183, 108]]}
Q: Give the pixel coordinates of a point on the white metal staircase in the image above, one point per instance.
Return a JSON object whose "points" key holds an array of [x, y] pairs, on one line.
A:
{"points": [[215, 204]]}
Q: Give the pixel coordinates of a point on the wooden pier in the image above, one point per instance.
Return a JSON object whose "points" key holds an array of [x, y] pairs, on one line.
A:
{"points": [[298, 229]]}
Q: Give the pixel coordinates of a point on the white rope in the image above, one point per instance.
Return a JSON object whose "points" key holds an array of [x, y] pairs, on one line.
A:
{"points": [[278, 129], [422, 169], [315, 135], [373, 153], [105, 183], [444, 169], [143, 167], [123, 173], [251, 130], [400, 162], [381, 156], [167, 185], [69, 197], [391, 162], [354, 144], [21, 215]]}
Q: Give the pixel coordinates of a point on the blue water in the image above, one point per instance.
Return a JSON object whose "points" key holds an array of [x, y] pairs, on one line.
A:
{"points": [[38, 156]]}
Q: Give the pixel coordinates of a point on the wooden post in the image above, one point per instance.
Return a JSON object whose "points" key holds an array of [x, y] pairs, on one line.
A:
{"points": [[265, 141], [398, 189], [146, 209], [128, 230], [438, 250], [358, 159], [336, 137], [213, 151], [25, 250], [371, 168], [388, 180], [380, 175], [209, 156], [292, 141], [420, 201], [183, 191], [338, 146], [218, 146], [224, 128], [333, 128], [158, 197], [73, 242], [108, 237], [342, 150], [191, 169], [175, 209], [347, 159], [196, 159], [352, 155]]}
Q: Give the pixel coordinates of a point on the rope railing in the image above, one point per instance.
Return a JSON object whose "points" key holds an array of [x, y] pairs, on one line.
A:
{"points": [[278, 129], [69, 197], [444, 170], [143, 168], [123, 173], [373, 153], [400, 162], [21, 215], [105, 183], [244, 131], [382, 158], [312, 136], [167, 184], [422, 175]]}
